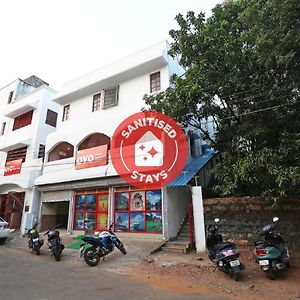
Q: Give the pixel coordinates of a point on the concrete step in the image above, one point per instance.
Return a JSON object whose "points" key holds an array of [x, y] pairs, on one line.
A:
{"points": [[174, 249]]}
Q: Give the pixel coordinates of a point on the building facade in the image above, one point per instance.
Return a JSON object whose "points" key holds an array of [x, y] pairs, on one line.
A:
{"points": [[27, 116], [85, 194]]}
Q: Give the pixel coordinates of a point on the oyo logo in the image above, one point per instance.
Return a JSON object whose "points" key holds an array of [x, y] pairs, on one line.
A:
{"points": [[149, 149]]}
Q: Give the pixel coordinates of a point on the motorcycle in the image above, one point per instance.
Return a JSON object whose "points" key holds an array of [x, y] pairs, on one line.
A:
{"points": [[54, 242], [223, 254], [272, 253], [35, 242], [94, 248]]}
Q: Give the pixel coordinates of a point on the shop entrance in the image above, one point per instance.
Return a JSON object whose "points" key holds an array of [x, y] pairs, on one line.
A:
{"points": [[11, 208], [54, 213]]}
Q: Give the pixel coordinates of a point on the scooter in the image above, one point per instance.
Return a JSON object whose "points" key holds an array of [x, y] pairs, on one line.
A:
{"points": [[94, 248], [223, 254], [54, 242], [35, 242], [272, 254]]}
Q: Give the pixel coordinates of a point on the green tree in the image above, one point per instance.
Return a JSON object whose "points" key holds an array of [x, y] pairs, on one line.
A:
{"points": [[242, 71]]}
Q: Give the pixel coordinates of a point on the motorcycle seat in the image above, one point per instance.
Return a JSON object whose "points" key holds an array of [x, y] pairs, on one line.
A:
{"points": [[224, 245]]}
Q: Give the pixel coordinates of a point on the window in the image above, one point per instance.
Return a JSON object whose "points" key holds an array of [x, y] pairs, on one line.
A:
{"points": [[154, 82], [41, 153], [3, 128], [94, 140], [192, 144], [96, 102], [111, 97], [15, 154], [138, 211], [61, 151], [66, 112], [23, 120], [51, 118], [10, 96], [91, 211]]}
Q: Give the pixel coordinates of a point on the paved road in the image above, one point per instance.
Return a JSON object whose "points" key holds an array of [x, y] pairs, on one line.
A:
{"points": [[26, 276]]}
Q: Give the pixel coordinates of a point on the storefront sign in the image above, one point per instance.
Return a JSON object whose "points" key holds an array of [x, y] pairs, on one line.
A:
{"points": [[149, 150], [92, 157], [13, 167]]}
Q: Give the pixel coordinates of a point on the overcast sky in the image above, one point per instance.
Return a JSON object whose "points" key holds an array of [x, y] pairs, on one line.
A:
{"points": [[60, 40]]}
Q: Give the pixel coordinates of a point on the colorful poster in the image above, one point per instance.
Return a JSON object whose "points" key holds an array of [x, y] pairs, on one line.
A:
{"points": [[121, 222], [90, 202], [137, 221], [92, 157], [137, 201], [153, 200], [122, 201], [102, 222], [154, 222], [13, 167], [103, 202]]}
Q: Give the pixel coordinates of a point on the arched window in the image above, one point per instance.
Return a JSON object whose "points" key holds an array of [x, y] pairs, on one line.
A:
{"points": [[94, 140], [61, 151]]}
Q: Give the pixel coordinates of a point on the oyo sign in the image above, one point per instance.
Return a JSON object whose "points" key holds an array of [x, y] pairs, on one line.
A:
{"points": [[149, 149], [92, 157], [13, 167]]}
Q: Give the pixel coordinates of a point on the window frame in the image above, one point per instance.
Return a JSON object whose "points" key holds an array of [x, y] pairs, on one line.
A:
{"points": [[155, 82], [51, 118], [3, 128], [116, 88], [66, 113], [97, 99]]}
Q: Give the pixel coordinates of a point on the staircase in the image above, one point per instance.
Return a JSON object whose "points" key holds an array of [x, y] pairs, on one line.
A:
{"points": [[182, 243]]}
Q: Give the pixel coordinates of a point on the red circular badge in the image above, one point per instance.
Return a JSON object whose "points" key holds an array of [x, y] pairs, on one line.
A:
{"points": [[149, 150]]}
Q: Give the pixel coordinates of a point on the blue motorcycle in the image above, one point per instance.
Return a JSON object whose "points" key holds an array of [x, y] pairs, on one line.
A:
{"points": [[94, 248]]}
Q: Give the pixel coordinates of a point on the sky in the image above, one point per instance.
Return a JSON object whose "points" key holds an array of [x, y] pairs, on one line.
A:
{"points": [[60, 40]]}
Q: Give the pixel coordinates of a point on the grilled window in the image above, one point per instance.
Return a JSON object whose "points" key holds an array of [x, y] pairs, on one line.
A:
{"points": [[41, 153], [10, 96], [96, 102], [51, 118], [23, 120], [3, 128], [155, 82], [111, 97], [66, 112], [15, 154]]}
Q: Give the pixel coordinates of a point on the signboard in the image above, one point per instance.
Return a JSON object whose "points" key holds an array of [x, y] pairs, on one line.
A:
{"points": [[13, 167], [92, 157]]}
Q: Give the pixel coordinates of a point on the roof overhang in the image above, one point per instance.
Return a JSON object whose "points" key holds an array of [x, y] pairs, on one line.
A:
{"points": [[19, 144], [19, 108]]}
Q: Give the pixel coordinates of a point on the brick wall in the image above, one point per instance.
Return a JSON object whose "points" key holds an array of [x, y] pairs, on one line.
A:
{"points": [[242, 218]]}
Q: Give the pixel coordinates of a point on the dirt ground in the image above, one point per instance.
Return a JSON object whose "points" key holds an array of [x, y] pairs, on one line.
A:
{"points": [[254, 283]]}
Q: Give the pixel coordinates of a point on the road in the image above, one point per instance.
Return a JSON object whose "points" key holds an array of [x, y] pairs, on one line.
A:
{"points": [[24, 275]]}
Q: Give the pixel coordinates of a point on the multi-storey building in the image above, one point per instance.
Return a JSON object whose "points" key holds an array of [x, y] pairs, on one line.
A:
{"points": [[92, 106], [27, 116]]}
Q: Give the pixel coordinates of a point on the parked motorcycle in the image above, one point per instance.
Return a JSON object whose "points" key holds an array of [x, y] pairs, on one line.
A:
{"points": [[54, 242], [223, 254], [35, 242], [272, 254], [94, 248]]}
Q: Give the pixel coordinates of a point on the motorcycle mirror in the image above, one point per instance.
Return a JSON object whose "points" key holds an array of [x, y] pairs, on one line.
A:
{"points": [[275, 219], [217, 220]]}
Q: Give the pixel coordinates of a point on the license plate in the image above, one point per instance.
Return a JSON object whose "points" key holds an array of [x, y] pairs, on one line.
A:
{"points": [[35, 240], [264, 262], [234, 263]]}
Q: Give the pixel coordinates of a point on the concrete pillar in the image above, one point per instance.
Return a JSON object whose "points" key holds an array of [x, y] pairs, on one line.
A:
{"points": [[199, 226]]}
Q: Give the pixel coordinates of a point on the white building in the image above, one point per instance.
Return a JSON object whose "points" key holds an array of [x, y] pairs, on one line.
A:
{"points": [[27, 116], [92, 106]]}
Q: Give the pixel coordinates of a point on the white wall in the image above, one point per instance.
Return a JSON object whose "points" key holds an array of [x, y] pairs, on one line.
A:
{"points": [[175, 205]]}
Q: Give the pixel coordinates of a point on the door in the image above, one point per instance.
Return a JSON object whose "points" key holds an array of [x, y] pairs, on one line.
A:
{"points": [[102, 211]]}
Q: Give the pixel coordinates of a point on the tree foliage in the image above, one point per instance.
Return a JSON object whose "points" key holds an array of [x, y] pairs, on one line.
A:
{"points": [[242, 70]]}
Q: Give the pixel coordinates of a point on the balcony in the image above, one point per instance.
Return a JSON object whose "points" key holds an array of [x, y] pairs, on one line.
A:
{"points": [[20, 107], [16, 139]]}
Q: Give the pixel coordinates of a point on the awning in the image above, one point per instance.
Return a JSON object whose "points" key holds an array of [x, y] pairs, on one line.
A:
{"points": [[192, 168]]}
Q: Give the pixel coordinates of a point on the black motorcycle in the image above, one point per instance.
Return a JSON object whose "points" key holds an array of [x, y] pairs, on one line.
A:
{"points": [[223, 254], [94, 248], [35, 242], [54, 242]]}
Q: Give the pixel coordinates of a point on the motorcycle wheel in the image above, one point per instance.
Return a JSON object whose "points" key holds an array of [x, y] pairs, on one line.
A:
{"points": [[122, 248], [271, 273], [37, 251], [91, 257], [56, 254], [236, 275]]}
